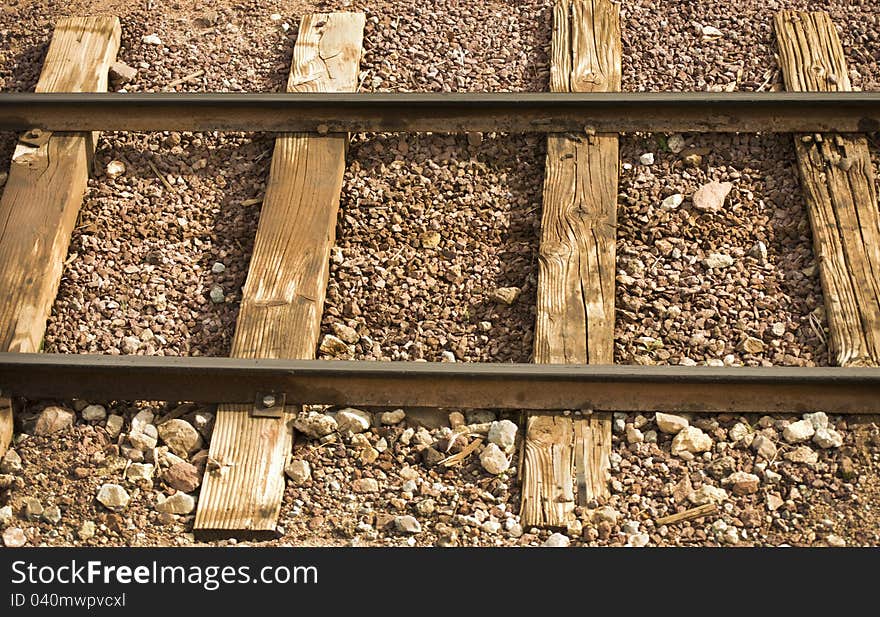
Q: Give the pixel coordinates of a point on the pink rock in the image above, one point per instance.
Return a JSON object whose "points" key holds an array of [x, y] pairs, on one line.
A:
{"points": [[710, 197], [182, 477]]}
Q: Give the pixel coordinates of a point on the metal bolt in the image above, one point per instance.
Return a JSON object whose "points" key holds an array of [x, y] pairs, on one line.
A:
{"points": [[269, 401]]}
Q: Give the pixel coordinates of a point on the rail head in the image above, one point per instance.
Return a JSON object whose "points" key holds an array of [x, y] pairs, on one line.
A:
{"points": [[451, 112], [553, 388]]}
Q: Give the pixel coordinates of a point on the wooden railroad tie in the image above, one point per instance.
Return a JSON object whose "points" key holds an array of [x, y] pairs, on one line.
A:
{"points": [[576, 268], [838, 185], [44, 192], [284, 295]]}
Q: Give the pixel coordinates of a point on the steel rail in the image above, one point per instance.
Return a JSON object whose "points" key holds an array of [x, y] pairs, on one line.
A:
{"points": [[793, 112], [441, 385]]}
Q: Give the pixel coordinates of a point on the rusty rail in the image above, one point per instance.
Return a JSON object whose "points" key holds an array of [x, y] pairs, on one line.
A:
{"points": [[612, 112], [441, 385]]}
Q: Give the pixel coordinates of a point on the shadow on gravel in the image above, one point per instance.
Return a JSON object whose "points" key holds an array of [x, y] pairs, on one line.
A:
{"points": [[430, 226]]}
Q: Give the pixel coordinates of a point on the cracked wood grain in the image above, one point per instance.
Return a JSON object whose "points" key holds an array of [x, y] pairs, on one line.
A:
{"points": [[566, 461], [44, 192], [839, 190], [283, 299]]}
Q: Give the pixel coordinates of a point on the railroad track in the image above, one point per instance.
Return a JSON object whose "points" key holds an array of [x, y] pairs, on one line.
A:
{"points": [[565, 455]]}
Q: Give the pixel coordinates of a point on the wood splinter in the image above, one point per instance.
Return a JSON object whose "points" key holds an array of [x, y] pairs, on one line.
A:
{"points": [[687, 515]]}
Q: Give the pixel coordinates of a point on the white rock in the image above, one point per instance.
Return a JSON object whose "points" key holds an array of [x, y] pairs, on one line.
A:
{"points": [[178, 503], [738, 432], [764, 447], [707, 494], [557, 540], [802, 454], [333, 345], [729, 536], [5, 515], [605, 513], [638, 540], [718, 260], [180, 436], [818, 419], [503, 434], [86, 531], [139, 472], [94, 413], [799, 432], [691, 440], [315, 425], [647, 158], [11, 462], [14, 537], [711, 32], [772, 477], [675, 143], [574, 528], [114, 169], [299, 471], [672, 202], [827, 438], [345, 333], [422, 437], [633, 435], [630, 527], [360, 441], [491, 527], [354, 420], [670, 423], [113, 497], [52, 515], [140, 420], [514, 529], [407, 524], [493, 459], [392, 417], [204, 423], [114, 425], [711, 197], [144, 439], [835, 541], [151, 39]]}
